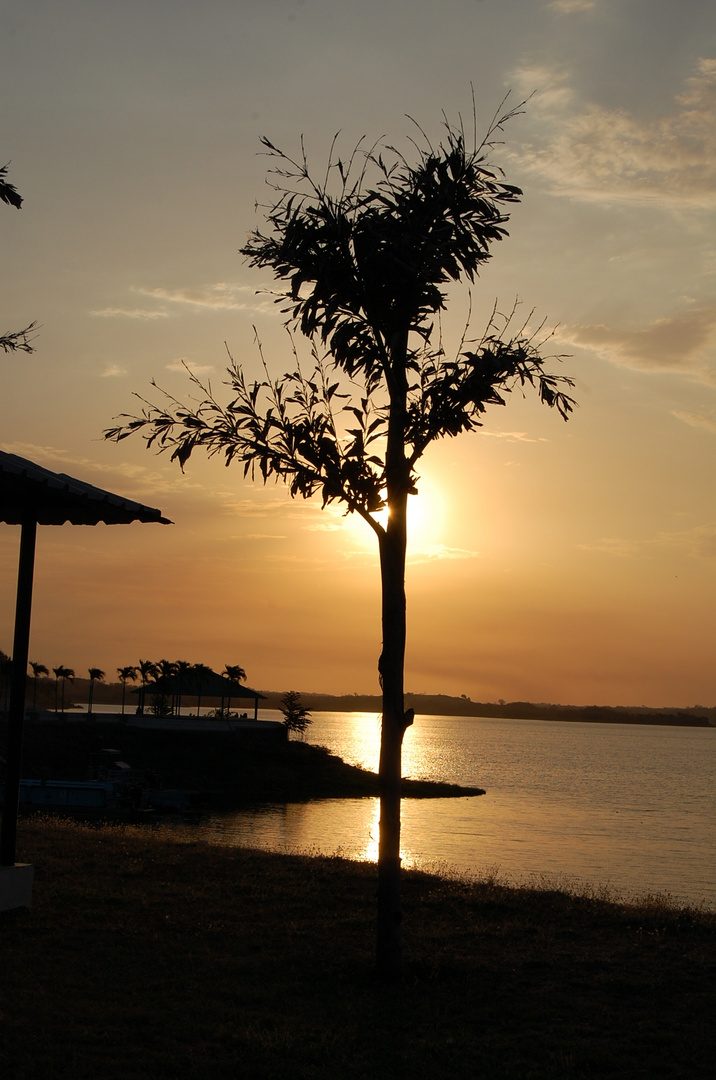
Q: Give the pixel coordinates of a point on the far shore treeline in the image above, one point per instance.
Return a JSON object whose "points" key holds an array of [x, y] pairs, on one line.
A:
{"points": [[110, 693]]}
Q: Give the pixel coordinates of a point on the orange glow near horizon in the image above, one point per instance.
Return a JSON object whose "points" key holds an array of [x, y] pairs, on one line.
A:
{"points": [[546, 561]]}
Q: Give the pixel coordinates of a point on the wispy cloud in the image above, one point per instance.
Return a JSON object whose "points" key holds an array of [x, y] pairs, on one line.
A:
{"points": [[512, 436], [569, 7], [252, 507], [195, 369], [260, 536], [113, 372], [144, 482], [325, 526], [437, 552], [707, 421], [680, 343], [130, 313], [223, 295], [608, 156], [698, 542]]}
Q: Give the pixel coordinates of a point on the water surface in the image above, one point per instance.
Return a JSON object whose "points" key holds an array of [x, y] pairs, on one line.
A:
{"points": [[629, 807]]}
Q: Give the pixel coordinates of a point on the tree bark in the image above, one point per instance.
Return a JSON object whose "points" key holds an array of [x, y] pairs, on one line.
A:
{"points": [[392, 565], [392, 546]]}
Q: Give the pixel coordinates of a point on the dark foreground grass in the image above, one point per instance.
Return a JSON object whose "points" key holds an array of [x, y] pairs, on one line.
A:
{"points": [[148, 958]]}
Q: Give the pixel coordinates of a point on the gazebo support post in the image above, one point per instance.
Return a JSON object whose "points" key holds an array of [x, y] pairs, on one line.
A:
{"points": [[16, 715]]}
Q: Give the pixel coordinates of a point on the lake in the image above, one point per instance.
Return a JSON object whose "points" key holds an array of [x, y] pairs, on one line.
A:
{"points": [[629, 807]]}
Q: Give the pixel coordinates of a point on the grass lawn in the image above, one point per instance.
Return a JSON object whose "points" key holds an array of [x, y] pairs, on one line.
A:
{"points": [[149, 958]]}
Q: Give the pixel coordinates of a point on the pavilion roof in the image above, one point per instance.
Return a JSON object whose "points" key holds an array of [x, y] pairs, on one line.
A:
{"points": [[193, 683], [28, 491]]}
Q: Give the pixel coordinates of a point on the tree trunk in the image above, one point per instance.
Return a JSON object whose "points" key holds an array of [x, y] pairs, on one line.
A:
{"points": [[392, 565], [392, 546]]}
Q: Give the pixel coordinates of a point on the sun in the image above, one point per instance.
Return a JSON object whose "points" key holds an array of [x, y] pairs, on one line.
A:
{"points": [[426, 515]]}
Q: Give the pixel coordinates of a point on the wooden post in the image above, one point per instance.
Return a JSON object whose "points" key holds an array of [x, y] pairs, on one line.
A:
{"points": [[16, 716]]}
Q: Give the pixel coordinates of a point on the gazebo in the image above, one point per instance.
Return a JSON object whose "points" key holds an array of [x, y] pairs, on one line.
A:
{"points": [[30, 496], [200, 684]]}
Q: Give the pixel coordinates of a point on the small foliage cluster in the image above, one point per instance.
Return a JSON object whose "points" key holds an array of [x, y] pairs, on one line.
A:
{"points": [[296, 717]]}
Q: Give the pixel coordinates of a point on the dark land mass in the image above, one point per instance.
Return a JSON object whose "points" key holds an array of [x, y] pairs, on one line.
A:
{"points": [[220, 764], [427, 704], [444, 705], [144, 958]]}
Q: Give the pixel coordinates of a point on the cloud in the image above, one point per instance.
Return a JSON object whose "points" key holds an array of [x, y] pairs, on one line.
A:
{"points": [[698, 542], [260, 536], [550, 87], [679, 343], [327, 526], [251, 507], [195, 369], [707, 421], [145, 483], [568, 7], [222, 295], [512, 436], [609, 156], [113, 372], [130, 313], [436, 552]]}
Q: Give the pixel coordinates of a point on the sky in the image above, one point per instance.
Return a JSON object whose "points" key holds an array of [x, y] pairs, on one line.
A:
{"points": [[548, 561]]}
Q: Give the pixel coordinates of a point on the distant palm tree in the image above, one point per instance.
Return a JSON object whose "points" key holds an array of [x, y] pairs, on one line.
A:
{"points": [[235, 674], [182, 669], [201, 673], [126, 673], [63, 673], [95, 674], [37, 670], [148, 670], [167, 669]]}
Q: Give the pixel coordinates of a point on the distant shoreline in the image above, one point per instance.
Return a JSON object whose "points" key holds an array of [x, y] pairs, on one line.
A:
{"points": [[425, 704], [444, 705]]}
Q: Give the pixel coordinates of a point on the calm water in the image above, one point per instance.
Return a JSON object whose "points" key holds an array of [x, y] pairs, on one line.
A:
{"points": [[632, 808]]}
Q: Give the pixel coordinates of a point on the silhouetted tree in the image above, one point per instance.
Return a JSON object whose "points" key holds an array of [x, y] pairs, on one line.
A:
{"points": [[236, 675], [128, 673], [62, 674], [15, 340], [37, 670], [363, 256], [96, 675], [182, 670], [201, 672], [296, 717], [147, 670]]}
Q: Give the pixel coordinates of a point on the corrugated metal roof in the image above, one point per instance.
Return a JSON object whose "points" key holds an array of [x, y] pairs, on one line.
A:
{"points": [[27, 491]]}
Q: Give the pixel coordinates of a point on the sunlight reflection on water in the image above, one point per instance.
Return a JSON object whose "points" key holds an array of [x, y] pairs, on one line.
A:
{"points": [[624, 806]]}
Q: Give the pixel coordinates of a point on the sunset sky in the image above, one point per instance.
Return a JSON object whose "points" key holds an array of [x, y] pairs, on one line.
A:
{"points": [[572, 563]]}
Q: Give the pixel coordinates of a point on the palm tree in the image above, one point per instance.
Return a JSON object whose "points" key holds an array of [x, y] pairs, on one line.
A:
{"points": [[182, 669], [95, 674], [37, 670], [125, 673], [235, 674], [201, 671], [63, 673], [148, 670], [167, 669]]}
